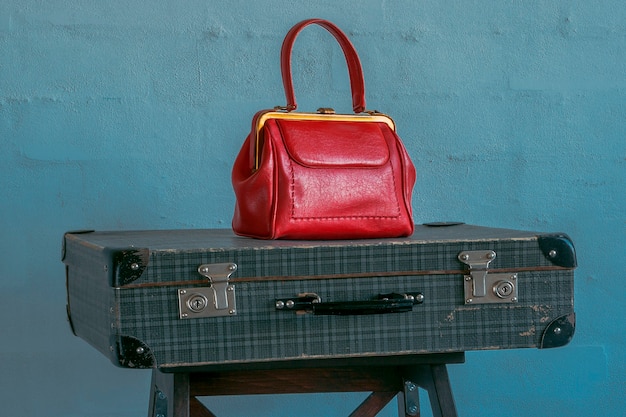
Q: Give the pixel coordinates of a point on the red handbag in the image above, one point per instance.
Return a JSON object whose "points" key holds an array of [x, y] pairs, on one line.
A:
{"points": [[322, 175]]}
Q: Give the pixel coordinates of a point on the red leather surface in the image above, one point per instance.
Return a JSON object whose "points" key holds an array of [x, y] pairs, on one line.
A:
{"points": [[333, 143], [255, 191], [313, 197]]}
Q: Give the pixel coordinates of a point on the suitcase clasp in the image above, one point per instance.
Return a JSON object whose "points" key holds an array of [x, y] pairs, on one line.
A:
{"points": [[482, 287], [214, 301], [478, 262]]}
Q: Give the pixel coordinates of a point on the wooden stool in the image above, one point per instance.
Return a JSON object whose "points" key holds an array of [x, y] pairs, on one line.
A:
{"points": [[173, 393]]}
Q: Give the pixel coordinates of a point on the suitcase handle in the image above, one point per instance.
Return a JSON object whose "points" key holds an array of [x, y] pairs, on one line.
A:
{"points": [[382, 304]]}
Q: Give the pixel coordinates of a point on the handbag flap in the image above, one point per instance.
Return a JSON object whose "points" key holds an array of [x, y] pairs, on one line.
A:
{"points": [[327, 143]]}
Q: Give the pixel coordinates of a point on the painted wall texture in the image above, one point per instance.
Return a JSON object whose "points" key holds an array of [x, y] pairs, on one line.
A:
{"points": [[128, 115]]}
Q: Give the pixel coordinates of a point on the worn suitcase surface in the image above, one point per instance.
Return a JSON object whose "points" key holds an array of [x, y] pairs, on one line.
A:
{"points": [[179, 298]]}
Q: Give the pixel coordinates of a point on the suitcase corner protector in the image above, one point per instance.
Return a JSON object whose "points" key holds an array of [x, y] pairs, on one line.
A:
{"points": [[130, 352], [559, 332], [559, 249], [128, 265]]}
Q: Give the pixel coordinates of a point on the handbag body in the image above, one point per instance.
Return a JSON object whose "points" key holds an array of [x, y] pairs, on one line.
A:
{"points": [[322, 175]]}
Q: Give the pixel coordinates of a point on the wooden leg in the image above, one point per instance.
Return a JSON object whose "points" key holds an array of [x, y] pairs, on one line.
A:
{"points": [[169, 395], [375, 402], [160, 388], [197, 409], [442, 394]]}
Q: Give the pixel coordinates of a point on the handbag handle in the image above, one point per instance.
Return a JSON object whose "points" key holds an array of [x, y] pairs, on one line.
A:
{"points": [[357, 83]]}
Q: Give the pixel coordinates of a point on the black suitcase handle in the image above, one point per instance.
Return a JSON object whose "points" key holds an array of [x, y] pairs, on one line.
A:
{"points": [[382, 304]]}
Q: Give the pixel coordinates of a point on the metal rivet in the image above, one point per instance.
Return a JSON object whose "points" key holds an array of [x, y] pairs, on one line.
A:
{"points": [[204, 269], [230, 288], [183, 291], [410, 386], [232, 267], [552, 253], [469, 300], [280, 305], [468, 278], [491, 255], [514, 300], [557, 330], [419, 298], [413, 409], [290, 304], [185, 315], [134, 266], [231, 311], [161, 395], [464, 257], [140, 350]]}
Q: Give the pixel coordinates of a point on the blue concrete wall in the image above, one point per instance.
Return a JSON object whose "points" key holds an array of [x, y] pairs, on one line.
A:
{"points": [[128, 115]]}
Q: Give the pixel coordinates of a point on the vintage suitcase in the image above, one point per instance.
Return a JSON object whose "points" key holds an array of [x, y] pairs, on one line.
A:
{"points": [[172, 299]]}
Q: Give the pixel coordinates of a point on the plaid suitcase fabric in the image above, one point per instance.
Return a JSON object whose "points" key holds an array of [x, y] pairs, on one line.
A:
{"points": [[442, 323], [147, 309]]}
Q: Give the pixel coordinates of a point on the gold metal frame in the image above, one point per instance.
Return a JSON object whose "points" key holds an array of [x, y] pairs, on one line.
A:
{"points": [[372, 117]]}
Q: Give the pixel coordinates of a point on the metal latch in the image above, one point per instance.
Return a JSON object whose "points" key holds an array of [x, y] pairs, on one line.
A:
{"points": [[484, 287], [214, 301], [411, 398]]}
